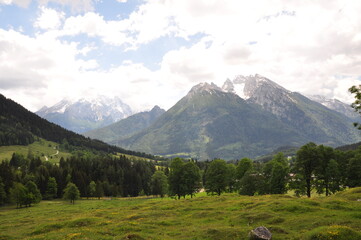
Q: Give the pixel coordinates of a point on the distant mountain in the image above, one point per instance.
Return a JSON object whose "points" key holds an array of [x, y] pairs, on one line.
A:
{"points": [[210, 122], [311, 119], [249, 116], [18, 126], [86, 114], [126, 127], [336, 105]]}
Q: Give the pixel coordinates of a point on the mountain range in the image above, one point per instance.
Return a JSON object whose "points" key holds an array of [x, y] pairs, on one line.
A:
{"points": [[86, 114], [248, 117], [126, 127], [19, 126]]}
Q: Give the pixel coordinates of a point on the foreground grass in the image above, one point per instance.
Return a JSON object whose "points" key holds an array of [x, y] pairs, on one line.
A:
{"points": [[205, 217]]}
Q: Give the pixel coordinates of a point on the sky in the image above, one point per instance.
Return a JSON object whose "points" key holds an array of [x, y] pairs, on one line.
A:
{"points": [[151, 52]]}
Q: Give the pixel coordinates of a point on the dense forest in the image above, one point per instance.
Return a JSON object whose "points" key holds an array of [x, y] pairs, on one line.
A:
{"points": [[18, 126], [314, 169]]}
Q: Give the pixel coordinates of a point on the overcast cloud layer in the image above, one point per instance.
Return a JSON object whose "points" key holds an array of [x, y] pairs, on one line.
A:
{"points": [[153, 52]]}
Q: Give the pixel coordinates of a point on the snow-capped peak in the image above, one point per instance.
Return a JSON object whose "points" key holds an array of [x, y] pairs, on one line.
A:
{"points": [[245, 86]]}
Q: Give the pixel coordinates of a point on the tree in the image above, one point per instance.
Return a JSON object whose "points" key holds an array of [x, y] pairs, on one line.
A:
{"points": [[51, 189], [99, 192], [34, 191], [191, 178], [2, 192], [243, 166], [277, 174], [159, 183], [216, 177], [231, 177], [176, 187], [354, 171], [71, 192], [306, 162], [249, 182], [18, 194], [334, 177], [357, 103], [278, 180], [92, 189]]}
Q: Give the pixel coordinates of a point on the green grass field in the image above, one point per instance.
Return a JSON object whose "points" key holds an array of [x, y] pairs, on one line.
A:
{"points": [[229, 216], [40, 148]]}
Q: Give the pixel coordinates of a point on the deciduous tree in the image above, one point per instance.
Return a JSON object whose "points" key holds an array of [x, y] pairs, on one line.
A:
{"points": [[71, 192]]}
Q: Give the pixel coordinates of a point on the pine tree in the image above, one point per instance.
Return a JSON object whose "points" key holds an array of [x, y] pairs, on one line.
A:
{"points": [[51, 189]]}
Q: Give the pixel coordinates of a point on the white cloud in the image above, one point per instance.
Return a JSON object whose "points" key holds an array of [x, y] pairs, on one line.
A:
{"points": [[75, 5], [21, 3], [122, 1], [49, 19], [304, 47]]}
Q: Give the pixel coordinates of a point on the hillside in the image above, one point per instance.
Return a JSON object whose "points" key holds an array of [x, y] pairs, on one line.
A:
{"points": [[229, 216], [18, 126]]}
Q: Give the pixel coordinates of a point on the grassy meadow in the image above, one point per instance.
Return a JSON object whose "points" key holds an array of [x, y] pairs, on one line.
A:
{"points": [[40, 149], [228, 216]]}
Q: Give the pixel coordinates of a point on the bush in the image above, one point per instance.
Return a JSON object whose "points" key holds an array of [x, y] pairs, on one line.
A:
{"points": [[334, 232]]}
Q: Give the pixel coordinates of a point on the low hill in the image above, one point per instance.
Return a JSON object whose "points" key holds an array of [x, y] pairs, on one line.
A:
{"points": [[18, 126]]}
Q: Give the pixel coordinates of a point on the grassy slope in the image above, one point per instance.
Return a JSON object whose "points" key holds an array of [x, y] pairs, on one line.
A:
{"points": [[226, 217], [38, 148]]}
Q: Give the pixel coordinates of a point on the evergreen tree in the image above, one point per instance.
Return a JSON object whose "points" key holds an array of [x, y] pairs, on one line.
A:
{"points": [[71, 192], [51, 189], [99, 192], [2, 192]]}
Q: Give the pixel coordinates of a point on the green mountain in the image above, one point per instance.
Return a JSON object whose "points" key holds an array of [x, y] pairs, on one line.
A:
{"points": [[250, 117], [126, 127], [18, 126], [210, 123], [310, 119]]}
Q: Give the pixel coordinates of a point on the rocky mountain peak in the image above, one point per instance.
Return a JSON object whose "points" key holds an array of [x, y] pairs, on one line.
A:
{"points": [[205, 87], [228, 86]]}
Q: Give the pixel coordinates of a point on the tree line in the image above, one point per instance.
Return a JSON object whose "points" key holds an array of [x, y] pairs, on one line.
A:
{"points": [[93, 177], [315, 168]]}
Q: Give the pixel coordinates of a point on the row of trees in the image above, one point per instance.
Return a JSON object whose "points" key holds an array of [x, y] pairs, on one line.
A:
{"points": [[93, 177], [318, 168]]}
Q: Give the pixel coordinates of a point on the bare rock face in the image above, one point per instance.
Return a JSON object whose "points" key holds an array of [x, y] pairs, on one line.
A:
{"points": [[260, 233]]}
